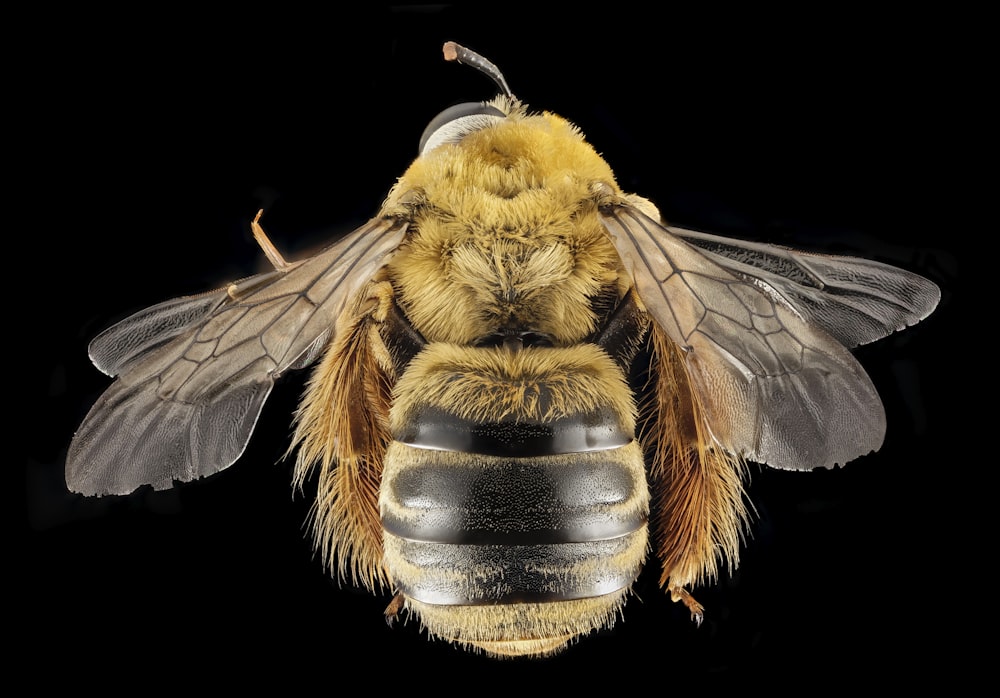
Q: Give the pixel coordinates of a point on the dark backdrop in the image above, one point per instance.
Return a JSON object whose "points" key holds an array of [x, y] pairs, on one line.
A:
{"points": [[158, 138]]}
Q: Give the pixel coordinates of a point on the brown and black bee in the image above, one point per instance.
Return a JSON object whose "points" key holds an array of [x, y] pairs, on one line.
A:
{"points": [[484, 446]]}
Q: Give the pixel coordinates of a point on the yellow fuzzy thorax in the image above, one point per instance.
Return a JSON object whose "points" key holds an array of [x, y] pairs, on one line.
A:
{"points": [[505, 233], [516, 165]]}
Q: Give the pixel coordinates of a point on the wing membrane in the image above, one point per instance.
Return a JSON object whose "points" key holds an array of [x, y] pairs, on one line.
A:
{"points": [[193, 373], [775, 386], [855, 300], [141, 332]]}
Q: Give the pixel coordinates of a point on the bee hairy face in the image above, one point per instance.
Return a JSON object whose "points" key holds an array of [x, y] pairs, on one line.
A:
{"points": [[525, 385]]}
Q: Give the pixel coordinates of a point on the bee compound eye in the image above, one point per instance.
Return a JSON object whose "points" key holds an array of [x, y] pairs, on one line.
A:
{"points": [[456, 122]]}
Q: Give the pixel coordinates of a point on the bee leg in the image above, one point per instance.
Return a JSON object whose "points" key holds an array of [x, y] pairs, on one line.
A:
{"points": [[684, 596], [394, 608], [270, 251]]}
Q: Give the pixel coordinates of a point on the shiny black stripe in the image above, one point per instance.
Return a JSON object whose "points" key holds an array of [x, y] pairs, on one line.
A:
{"points": [[517, 574], [513, 502], [435, 428]]}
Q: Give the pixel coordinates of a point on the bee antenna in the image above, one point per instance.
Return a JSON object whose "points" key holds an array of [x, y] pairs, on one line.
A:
{"points": [[460, 54]]}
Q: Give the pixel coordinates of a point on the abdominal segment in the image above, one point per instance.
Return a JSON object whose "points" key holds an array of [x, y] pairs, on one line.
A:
{"points": [[472, 529], [514, 532]]}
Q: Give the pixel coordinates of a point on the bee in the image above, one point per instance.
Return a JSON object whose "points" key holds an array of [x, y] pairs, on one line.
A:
{"points": [[525, 383]]}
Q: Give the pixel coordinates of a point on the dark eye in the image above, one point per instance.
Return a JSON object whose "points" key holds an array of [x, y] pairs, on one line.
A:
{"points": [[455, 122]]}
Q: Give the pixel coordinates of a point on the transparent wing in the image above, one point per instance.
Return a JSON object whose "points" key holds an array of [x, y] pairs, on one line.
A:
{"points": [[775, 385], [856, 300], [194, 372]]}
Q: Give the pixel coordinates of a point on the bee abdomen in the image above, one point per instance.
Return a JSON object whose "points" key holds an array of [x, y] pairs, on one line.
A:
{"points": [[513, 477], [510, 501], [466, 529]]}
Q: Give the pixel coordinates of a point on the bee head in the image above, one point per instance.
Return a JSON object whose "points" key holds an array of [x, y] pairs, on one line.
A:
{"points": [[455, 122]]}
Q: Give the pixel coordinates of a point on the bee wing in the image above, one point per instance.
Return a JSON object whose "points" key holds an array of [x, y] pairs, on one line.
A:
{"points": [[773, 384], [194, 372], [856, 300]]}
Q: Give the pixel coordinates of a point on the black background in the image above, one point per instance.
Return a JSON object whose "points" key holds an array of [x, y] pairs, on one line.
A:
{"points": [[157, 137]]}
